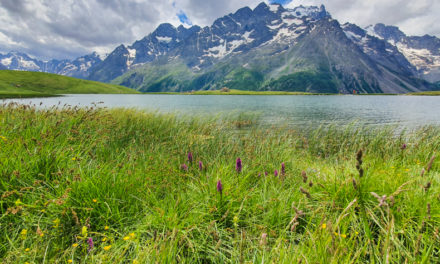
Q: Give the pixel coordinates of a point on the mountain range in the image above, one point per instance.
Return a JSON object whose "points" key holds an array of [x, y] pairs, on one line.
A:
{"points": [[265, 48]]}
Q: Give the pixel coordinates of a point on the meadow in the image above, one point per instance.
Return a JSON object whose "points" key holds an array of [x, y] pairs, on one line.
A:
{"points": [[95, 185], [22, 84]]}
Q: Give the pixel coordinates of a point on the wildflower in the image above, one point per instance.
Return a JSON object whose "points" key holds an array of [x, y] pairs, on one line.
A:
{"points": [[238, 165], [23, 233], [107, 247], [106, 227], [74, 158], [283, 169], [235, 220], [90, 242], [27, 249], [200, 165], [407, 170], [275, 173], [95, 201], [190, 157], [126, 238], [343, 235], [184, 167], [104, 239], [75, 245], [56, 223], [403, 147], [132, 235], [220, 187], [84, 231], [356, 233], [263, 240], [324, 226], [135, 261], [70, 261]]}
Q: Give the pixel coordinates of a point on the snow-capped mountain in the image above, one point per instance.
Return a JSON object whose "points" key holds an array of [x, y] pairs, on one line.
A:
{"points": [[266, 48], [422, 52], [79, 67]]}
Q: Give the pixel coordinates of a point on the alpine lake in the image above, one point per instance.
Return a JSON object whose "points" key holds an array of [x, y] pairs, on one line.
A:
{"points": [[405, 112]]}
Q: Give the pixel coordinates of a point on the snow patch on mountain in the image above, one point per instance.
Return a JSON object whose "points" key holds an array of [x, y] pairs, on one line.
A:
{"points": [[6, 61], [164, 39]]}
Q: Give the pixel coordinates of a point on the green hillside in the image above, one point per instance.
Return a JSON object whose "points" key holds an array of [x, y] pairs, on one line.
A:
{"points": [[22, 84]]}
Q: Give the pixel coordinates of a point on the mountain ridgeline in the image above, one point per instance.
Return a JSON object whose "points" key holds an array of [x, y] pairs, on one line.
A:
{"points": [[269, 48]]}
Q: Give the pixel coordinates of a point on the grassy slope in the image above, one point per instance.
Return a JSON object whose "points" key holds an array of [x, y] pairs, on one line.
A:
{"points": [[30, 83], [115, 176]]}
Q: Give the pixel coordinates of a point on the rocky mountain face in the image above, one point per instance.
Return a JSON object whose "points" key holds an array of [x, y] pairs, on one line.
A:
{"points": [[422, 52], [265, 48], [79, 67], [268, 48]]}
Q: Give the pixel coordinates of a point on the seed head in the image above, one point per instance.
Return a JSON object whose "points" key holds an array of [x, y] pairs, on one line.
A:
{"points": [[304, 176]]}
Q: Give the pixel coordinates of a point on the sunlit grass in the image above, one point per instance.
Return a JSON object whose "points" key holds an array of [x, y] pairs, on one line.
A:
{"points": [[72, 178]]}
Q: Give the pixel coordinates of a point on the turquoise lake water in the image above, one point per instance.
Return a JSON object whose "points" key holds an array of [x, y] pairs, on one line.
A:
{"points": [[298, 110]]}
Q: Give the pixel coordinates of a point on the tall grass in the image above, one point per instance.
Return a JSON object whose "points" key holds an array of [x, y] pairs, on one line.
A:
{"points": [[115, 177]]}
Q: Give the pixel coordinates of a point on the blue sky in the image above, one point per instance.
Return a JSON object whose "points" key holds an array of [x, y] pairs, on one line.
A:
{"points": [[184, 18], [283, 2]]}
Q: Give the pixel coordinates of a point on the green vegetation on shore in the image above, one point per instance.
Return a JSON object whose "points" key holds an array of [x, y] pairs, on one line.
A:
{"points": [[116, 186], [236, 92], [38, 84], [429, 93]]}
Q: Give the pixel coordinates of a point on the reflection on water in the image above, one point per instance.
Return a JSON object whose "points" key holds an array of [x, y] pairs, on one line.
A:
{"points": [[405, 111]]}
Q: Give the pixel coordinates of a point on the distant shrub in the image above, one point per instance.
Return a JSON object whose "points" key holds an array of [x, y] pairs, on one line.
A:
{"points": [[225, 90]]}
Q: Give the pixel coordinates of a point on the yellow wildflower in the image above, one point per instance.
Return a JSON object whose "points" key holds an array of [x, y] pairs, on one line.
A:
{"points": [[407, 170], [126, 238], [84, 231], [75, 245], [56, 223], [18, 202], [106, 227], [23, 232], [73, 158], [104, 239], [324, 226], [356, 232], [343, 235], [70, 261], [107, 247], [235, 220], [132, 235], [27, 249], [135, 261], [94, 200]]}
